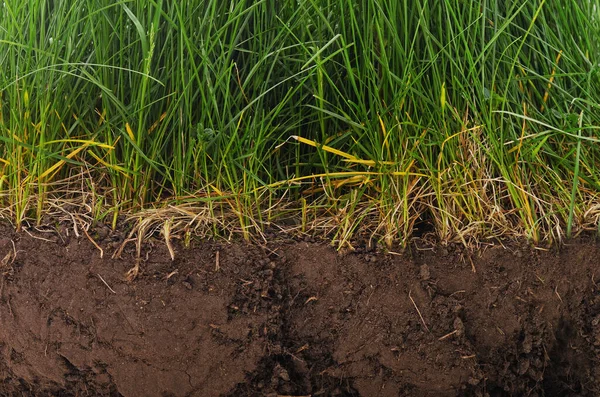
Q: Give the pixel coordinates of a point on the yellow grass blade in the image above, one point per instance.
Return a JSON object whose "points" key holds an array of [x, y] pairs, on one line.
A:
{"points": [[353, 180], [83, 141], [129, 132], [370, 163], [111, 166], [349, 158], [386, 144], [324, 147], [102, 117], [157, 122], [56, 167], [443, 97], [216, 189]]}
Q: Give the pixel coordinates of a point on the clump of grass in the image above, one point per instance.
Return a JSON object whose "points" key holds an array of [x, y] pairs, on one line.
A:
{"points": [[478, 118]]}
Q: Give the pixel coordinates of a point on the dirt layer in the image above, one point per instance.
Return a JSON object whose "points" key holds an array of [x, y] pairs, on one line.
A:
{"points": [[295, 319]]}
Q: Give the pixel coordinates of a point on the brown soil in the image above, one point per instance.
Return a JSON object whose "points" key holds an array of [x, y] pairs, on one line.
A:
{"points": [[295, 319]]}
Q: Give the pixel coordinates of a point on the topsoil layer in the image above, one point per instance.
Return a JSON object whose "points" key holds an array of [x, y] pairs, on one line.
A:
{"points": [[295, 319]]}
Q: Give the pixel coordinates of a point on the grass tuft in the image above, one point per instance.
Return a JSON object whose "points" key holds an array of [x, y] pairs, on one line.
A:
{"points": [[376, 120]]}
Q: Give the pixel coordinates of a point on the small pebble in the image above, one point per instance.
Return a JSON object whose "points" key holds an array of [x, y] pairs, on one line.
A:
{"points": [[284, 375], [473, 381]]}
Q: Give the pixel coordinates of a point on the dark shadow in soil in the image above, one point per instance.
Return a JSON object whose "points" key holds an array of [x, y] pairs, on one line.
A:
{"points": [[295, 319]]}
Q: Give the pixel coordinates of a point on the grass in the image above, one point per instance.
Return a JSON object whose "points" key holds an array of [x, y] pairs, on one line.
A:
{"points": [[373, 119]]}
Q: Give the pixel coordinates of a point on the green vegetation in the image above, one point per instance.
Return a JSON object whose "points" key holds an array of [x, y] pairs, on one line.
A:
{"points": [[362, 118]]}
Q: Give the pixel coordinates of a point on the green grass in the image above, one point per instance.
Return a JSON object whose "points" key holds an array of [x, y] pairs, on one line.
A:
{"points": [[480, 118]]}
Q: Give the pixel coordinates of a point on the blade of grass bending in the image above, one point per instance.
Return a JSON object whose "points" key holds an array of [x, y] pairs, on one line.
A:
{"points": [[348, 157]]}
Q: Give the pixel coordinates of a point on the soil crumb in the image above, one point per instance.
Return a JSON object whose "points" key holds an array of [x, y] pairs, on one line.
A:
{"points": [[295, 319]]}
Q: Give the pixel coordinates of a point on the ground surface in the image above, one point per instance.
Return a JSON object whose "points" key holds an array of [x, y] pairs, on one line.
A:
{"points": [[295, 319]]}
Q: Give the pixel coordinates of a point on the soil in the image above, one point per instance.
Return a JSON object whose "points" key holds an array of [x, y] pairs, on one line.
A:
{"points": [[295, 318]]}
